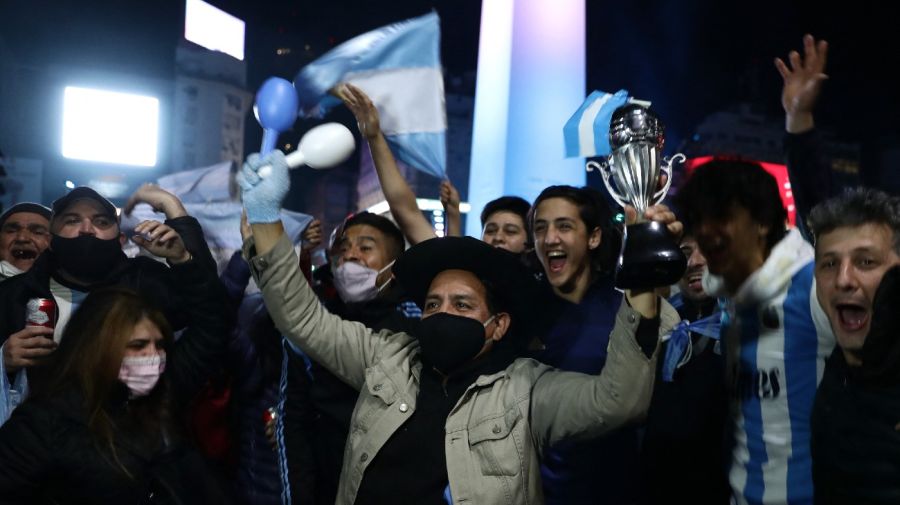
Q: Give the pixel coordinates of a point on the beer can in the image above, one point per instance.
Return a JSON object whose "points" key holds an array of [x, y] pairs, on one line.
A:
{"points": [[270, 414], [40, 312]]}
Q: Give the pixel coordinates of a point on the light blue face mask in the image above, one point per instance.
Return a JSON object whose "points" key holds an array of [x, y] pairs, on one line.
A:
{"points": [[357, 283]]}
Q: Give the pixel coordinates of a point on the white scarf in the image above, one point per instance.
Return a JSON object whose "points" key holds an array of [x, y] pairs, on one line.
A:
{"points": [[787, 257]]}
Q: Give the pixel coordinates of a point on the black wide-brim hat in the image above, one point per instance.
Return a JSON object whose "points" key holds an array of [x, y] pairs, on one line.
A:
{"points": [[513, 287]]}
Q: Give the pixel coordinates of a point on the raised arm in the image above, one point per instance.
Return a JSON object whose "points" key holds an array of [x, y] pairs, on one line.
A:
{"points": [[399, 196], [187, 227], [345, 348], [808, 168], [450, 201], [569, 405], [802, 83]]}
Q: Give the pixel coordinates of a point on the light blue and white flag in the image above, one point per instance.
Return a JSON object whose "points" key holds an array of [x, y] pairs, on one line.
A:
{"points": [[586, 133], [399, 67]]}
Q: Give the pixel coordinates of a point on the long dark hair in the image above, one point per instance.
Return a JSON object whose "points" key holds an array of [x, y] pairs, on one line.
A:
{"points": [[594, 213], [89, 358]]}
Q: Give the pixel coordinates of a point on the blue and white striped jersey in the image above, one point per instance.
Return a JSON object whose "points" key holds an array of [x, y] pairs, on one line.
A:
{"points": [[776, 342]]}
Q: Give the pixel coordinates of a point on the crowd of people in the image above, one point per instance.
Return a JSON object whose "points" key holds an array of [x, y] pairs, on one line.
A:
{"points": [[506, 370]]}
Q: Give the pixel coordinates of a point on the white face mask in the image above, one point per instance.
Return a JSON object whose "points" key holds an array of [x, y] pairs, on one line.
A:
{"points": [[357, 283], [141, 373], [7, 269]]}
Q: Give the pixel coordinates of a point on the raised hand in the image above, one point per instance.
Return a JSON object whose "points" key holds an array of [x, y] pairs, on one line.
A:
{"points": [[312, 235], [159, 199], [262, 197], [362, 108], [449, 196], [161, 240], [802, 83], [660, 213]]}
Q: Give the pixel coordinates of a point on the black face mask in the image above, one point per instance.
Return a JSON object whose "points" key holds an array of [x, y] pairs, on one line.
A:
{"points": [[448, 341], [86, 258]]}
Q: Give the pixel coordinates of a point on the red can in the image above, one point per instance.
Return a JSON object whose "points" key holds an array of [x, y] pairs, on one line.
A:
{"points": [[270, 414], [40, 312]]}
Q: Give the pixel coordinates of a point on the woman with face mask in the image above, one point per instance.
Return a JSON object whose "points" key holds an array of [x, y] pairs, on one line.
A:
{"points": [[104, 422]]}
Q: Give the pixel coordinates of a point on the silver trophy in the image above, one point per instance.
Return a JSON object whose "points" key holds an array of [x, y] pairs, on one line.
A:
{"points": [[649, 256]]}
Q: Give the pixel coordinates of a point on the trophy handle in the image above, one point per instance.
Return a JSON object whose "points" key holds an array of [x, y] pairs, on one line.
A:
{"points": [[605, 169], [666, 168]]}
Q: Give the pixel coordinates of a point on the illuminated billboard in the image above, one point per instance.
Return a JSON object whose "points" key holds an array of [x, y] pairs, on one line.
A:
{"points": [[213, 28], [110, 127]]}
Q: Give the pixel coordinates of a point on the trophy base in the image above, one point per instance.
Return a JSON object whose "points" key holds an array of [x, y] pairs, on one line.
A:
{"points": [[650, 258]]}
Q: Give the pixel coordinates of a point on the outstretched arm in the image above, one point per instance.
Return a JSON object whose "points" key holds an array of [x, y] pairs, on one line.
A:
{"points": [[400, 197], [345, 347], [569, 405], [808, 168]]}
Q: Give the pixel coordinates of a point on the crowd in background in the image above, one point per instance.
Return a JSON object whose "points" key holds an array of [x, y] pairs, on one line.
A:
{"points": [[418, 369]]}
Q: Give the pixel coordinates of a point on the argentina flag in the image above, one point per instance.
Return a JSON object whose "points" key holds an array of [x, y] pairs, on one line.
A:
{"points": [[399, 67], [586, 133]]}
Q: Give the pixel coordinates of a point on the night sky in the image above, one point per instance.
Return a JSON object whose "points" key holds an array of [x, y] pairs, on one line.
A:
{"points": [[690, 57]]}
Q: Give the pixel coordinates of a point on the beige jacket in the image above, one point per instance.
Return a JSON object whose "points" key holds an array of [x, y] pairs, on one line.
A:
{"points": [[496, 433]]}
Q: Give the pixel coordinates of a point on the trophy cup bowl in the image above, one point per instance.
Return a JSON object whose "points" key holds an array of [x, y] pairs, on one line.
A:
{"points": [[649, 256]]}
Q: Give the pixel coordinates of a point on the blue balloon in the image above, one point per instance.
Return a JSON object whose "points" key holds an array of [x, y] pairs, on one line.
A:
{"points": [[275, 109]]}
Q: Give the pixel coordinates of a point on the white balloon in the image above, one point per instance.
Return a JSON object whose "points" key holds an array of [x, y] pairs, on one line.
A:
{"points": [[326, 145], [322, 147]]}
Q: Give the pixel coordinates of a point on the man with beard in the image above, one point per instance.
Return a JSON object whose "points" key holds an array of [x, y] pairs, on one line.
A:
{"points": [[689, 407], [24, 235], [776, 337], [449, 411], [85, 253]]}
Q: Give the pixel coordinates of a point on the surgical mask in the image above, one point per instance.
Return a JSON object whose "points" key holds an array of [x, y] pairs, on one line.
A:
{"points": [[86, 257], [7, 269], [357, 283], [141, 373], [448, 341]]}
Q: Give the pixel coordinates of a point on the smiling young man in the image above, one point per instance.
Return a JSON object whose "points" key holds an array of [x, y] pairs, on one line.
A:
{"points": [[577, 245], [24, 235], [503, 223], [857, 409], [450, 415], [778, 336]]}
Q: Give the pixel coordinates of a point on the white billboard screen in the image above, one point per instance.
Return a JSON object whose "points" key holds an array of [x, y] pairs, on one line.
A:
{"points": [[213, 28], [110, 127]]}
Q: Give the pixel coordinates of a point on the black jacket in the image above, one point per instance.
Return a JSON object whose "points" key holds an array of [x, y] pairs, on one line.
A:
{"points": [[688, 417], [149, 277], [856, 415], [48, 455]]}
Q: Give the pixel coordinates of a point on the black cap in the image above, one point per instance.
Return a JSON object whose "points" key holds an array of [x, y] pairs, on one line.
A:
{"points": [[83, 193], [34, 208]]}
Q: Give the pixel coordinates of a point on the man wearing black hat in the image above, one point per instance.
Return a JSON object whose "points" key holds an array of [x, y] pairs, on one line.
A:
{"points": [[449, 414], [24, 235], [85, 253]]}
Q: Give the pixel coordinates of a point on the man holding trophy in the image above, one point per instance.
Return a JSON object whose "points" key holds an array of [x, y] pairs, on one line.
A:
{"points": [[579, 247]]}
